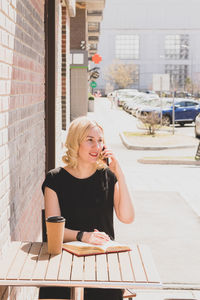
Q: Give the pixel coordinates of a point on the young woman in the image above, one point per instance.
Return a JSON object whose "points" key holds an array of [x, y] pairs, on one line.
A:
{"points": [[86, 191]]}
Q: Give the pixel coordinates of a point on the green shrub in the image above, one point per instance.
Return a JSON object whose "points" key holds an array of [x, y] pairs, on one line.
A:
{"points": [[91, 98]]}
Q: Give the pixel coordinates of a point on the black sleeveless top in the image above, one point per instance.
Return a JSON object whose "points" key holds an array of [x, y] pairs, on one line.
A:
{"points": [[86, 204]]}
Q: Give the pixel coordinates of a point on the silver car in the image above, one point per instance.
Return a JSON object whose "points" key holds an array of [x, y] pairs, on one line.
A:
{"points": [[197, 126]]}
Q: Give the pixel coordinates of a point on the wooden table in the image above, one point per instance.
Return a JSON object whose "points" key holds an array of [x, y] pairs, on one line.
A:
{"points": [[29, 264]]}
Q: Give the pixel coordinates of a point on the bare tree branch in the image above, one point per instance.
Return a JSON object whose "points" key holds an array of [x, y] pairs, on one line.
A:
{"points": [[122, 75]]}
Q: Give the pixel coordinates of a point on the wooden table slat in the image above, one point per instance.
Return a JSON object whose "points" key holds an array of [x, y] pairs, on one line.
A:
{"points": [[6, 262], [113, 267], [90, 266], [31, 261], [137, 266], [65, 267], [19, 261], [150, 269], [29, 264], [101, 268], [53, 267], [77, 270], [126, 271], [42, 263]]}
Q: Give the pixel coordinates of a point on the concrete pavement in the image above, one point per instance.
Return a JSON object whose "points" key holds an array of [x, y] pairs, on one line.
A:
{"points": [[167, 209], [166, 142]]}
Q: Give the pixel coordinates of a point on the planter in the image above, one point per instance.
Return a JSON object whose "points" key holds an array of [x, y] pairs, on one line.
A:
{"points": [[91, 105]]}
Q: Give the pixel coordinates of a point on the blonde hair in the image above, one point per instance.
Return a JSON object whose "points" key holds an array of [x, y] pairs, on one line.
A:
{"points": [[77, 132]]}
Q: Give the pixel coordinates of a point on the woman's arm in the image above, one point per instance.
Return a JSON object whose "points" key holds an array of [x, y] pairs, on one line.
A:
{"points": [[122, 199], [52, 208]]}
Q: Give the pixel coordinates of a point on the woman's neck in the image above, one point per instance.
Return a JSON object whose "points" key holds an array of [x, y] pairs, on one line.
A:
{"points": [[82, 170]]}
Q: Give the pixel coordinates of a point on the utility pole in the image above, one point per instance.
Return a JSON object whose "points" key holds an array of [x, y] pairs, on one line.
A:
{"points": [[173, 110], [161, 91]]}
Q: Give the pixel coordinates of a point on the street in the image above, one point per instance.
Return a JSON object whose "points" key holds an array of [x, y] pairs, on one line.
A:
{"points": [[166, 200]]}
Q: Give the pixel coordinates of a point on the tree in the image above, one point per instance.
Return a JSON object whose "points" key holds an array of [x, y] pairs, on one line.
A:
{"points": [[196, 84], [109, 88], [122, 75], [188, 85], [150, 121]]}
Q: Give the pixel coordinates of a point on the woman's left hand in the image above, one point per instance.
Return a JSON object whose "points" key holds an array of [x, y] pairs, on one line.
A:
{"points": [[113, 162]]}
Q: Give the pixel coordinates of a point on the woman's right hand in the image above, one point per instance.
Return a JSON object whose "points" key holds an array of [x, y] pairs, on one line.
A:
{"points": [[96, 237]]}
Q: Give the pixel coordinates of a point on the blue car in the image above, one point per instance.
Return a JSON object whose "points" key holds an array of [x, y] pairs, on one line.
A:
{"points": [[197, 126], [185, 111]]}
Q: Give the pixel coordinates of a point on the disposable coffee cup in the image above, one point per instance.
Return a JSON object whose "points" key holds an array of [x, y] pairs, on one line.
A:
{"points": [[55, 232]]}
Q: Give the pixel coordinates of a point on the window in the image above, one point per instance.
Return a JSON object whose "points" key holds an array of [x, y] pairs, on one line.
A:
{"points": [[93, 38], [94, 12], [180, 104], [92, 46], [189, 103], [178, 73], [93, 26], [127, 47], [177, 46]]}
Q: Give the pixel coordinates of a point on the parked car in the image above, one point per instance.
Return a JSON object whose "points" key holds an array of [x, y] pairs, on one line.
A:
{"points": [[128, 105], [125, 94], [133, 102], [143, 100], [122, 99], [197, 126], [185, 111]]}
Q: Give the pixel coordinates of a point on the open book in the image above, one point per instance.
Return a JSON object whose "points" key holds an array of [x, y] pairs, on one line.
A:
{"points": [[84, 249]]}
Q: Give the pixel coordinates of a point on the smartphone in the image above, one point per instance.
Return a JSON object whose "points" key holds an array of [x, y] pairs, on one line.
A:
{"points": [[106, 160]]}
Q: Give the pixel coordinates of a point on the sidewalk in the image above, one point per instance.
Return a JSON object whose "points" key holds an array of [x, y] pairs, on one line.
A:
{"points": [[173, 241], [162, 141]]}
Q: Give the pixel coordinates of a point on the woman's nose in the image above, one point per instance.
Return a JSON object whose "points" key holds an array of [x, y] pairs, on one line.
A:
{"points": [[97, 145]]}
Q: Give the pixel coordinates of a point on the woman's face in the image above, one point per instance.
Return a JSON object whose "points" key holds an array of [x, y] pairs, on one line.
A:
{"points": [[91, 147]]}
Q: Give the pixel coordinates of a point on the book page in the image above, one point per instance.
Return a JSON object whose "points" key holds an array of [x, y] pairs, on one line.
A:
{"points": [[82, 246], [110, 246], [113, 246]]}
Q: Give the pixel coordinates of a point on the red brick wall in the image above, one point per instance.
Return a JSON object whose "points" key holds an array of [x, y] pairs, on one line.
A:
{"points": [[65, 68], [58, 100], [22, 135], [68, 29]]}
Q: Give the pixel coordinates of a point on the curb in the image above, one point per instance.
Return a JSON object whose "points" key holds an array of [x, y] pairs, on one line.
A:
{"points": [[137, 147], [169, 161], [159, 161], [181, 286]]}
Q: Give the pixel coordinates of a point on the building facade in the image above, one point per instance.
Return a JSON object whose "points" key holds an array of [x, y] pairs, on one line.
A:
{"points": [[84, 38], [157, 37]]}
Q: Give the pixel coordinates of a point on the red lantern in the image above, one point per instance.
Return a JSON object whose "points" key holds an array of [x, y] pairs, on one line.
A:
{"points": [[96, 58]]}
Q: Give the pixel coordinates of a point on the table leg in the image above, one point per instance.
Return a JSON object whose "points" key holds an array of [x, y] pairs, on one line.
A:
{"points": [[77, 293]]}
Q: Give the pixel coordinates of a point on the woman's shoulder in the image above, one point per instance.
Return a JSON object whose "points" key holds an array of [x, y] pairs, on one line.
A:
{"points": [[55, 172], [52, 179], [107, 173]]}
